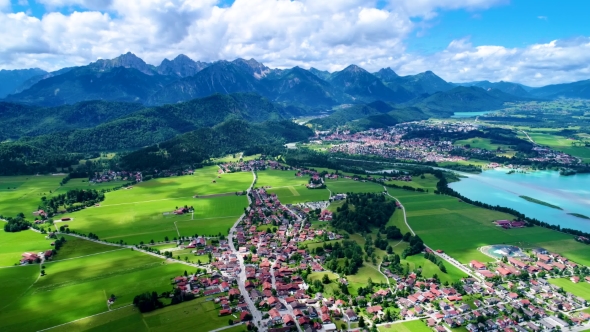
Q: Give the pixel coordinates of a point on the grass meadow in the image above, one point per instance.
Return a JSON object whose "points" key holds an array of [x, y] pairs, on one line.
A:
{"points": [[412, 326], [459, 229], [289, 188], [181, 317], [13, 245], [23, 193], [558, 143], [429, 182], [145, 221], [79, 287], [581, 289], [342, 186]]}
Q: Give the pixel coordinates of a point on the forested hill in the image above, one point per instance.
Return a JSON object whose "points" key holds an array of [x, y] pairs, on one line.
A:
{"points": [[228, 137], [21, 120], [130, 131], [135, 125]]}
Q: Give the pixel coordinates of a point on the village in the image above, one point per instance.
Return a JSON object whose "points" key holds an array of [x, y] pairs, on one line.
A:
{"points": [[392, 143], [263, 276]]}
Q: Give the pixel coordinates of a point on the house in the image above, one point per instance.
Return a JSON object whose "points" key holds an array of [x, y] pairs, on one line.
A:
{"points": [[288, 320], [374, 309], [351, 315], [224, 312], [575, 279], [29, 258], [477, 265], [275, 315]]}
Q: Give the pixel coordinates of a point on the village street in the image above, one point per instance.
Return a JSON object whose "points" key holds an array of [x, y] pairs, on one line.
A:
{"points": [[256, 314]]}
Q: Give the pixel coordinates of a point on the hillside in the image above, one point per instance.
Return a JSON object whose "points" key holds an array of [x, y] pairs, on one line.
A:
{"points": [[228, 137], [516, 89], [374, 115], [464, 99], [364, 86], [423, 83], [579, 89], [18, 120], [88, 83], [11, 80]]}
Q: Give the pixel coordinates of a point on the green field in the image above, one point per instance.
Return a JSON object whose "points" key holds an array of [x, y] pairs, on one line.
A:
{"points": [[25, 192], [429, 182], [412, 326], [459, 229], [481, 143], [429, 269], [144, 221], [277, 178], [79, 288], [293, 195], [342, 186], [76, 247], [13, 245], [581, 289], [558, 143]]}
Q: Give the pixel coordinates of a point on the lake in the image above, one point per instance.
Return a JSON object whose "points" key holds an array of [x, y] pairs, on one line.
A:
{"points": [[495, 187], [469, 114]]}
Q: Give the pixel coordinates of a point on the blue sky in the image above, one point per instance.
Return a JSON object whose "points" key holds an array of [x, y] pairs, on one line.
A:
{"points": [[517, 24], [531, 41]]}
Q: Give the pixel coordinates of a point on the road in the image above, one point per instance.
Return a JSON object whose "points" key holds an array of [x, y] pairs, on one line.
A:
{"points": [[283, 302], [443, 256], [527, 136], [256, 314]]}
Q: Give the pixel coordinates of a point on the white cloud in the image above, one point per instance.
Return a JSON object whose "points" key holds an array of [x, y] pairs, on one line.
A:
{"points": [[535, 65], [281, 33], [544, 18]]}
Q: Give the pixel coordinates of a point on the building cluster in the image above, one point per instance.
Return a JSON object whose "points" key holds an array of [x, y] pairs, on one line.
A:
{"points": [[108, 176], [397, 143]]}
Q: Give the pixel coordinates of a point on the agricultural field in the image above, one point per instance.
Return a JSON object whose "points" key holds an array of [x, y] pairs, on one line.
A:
{"points": [[581, 289], [13, 245], [293, 195], [75, 247], [80, 288], [559, 143], [460, 229], [412, 326], [480, 143], [429, 182], [342, 186], [277, 179], [145, 221], [23, 193]]}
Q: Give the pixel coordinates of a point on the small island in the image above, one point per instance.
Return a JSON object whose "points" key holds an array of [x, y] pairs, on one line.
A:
{"points": [[579, 215], [534, 200]]}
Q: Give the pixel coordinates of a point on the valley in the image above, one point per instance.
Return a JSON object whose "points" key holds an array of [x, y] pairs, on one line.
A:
{"points": [[232, 196]]}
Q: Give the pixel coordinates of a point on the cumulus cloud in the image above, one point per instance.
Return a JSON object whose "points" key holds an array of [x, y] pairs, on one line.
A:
{"points": [[281, 33], [535, 65]]}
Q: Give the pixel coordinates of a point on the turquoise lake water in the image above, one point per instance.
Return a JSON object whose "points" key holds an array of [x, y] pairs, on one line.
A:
{"points": [[495, 187], [469, 114]]}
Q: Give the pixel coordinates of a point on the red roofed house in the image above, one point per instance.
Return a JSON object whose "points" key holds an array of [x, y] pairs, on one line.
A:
{"points": [[477, 265], [288, 320]]}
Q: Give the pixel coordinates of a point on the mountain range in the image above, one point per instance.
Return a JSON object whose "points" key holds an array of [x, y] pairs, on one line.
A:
{"points": [[128, 78]]}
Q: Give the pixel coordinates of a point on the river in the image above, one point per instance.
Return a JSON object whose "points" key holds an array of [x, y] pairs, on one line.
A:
{"points": [[496, 187]]}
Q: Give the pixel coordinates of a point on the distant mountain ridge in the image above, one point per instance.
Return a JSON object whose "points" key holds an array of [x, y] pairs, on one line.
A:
{"points": [[11, 80], [128, 78]]}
